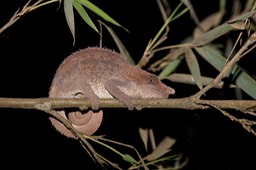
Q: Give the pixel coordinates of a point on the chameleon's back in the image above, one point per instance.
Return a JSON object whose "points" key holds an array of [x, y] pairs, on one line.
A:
{"points": [[95, 73]]}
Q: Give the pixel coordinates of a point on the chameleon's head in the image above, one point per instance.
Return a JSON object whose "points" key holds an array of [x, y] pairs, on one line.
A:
{"points": [[151, 87], [147, 85]]}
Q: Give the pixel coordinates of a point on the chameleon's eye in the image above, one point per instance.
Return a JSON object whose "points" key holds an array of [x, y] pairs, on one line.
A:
{"points": [[78, 95], [152, 79]]}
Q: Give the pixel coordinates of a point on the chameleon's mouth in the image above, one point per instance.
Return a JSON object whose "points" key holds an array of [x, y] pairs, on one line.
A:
{"points": [[168, 90]]}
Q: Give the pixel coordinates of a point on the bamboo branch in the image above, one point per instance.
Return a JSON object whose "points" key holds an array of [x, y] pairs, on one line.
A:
{"points": [[188, 103]]}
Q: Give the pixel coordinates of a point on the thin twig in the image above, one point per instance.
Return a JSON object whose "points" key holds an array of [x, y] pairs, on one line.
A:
{"points": [[76, 133], [246, 124], [227, 67], [181, 103], [26, 9]]}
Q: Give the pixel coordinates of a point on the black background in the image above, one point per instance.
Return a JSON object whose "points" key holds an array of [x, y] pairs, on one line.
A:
{"points": [[31, 51]]}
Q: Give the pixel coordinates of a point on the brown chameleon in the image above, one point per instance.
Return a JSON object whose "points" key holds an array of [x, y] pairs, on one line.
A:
{"points": [[94, 73]]}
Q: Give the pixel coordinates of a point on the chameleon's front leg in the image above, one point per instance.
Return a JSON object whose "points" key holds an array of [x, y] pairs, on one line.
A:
{"points": [[112, 86]]}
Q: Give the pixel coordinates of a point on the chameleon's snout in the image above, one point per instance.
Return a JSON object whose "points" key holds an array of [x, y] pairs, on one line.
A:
{"points": [[168, 90]]}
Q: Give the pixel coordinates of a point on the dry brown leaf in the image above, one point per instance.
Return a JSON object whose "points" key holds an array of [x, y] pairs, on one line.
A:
{"points": [[163, 147], [144, 137], [208, 23], [191, 11], [239, 25], [188, 79], [193, 66], [152, 139]]}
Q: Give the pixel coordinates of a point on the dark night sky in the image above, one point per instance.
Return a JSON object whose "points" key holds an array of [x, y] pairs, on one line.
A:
{"points": [[31, 51]]}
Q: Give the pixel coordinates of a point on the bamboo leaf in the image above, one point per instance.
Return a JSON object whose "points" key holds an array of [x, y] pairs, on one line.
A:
{"points": [[152, 138], [188, 79], [163, 147], [241, 78], [244, 16], [129, 158], [239, 25], [212, 56], [220, 30], [191, 10], [171, 67], [98, 11], [193, 66], [167, 22], [144, 137], [212, 35], [174, 57], [84, 15], [120, 45], [222, 5], [69, 14], [208, 23]]}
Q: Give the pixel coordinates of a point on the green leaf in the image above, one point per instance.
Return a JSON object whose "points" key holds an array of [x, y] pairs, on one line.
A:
{"points": [[120, 45], [193, 66], [220, 30], [171, 67], [246, 83], [222, 5], [244, 16], [84, 15], [241, 78], [212, 56], [69, 14], [98, 11], [175, 56], [191, 11], [167, 22], [129, 158], [212, 35], [209, 22]]}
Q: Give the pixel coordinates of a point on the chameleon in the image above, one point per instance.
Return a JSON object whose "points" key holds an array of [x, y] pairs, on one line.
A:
{"points": [[94, 73]]}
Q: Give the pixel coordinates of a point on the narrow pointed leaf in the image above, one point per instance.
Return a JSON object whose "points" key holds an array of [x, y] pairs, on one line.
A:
{"points": [[244, 16], [152, 138], [212, 35], [193, 66], [188, 79], [220, 30], [254, 5], [98, 11], [217, 60], [167, 22], [129, 158], [191, 10], [209, 22], [79, 8], [239, 25], [120, 45], [222, 5], [144, 137], [171, 67], [212, 56], [176, 56], [163, 147], [69, 14]]}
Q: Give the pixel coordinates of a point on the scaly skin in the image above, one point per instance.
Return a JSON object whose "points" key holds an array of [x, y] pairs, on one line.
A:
{"points": [[95, 73]]}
